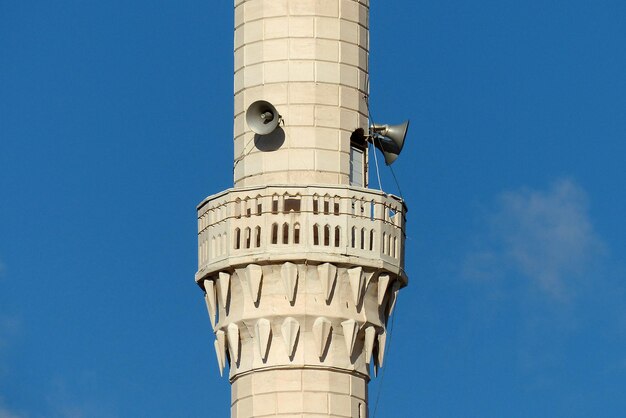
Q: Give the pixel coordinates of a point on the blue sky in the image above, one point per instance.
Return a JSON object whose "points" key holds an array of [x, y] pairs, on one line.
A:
{"points": [[116, 120]]}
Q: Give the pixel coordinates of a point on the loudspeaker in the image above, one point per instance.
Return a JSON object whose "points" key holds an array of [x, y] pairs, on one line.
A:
{"points": [[262, 117], [389, 139]]}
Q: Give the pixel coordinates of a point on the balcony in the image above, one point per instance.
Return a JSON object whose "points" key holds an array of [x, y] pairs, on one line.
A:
{"points": [[337, 224]]}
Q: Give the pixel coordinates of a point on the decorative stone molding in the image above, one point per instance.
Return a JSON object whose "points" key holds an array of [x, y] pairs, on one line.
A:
{"points": [[289, 273], [291, 331], [263, 336], [220, 349], [327, 274], [341, 328], [209, 298], [224, 289]]}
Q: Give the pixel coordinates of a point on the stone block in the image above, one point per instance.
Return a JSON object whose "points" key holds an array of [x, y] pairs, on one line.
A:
{"points": [[350, 98], [327, 116], [253, 10], [289, 380], [242, 387], [349, 76], [238, 42], [239, 58], [275, 50], [301, 159], [243, 408], [264, 404], [363, 60], [339, 383], [315, 403], [253, 75], [364, 38], [344, 141], [349, 10], [238, 84], [301, 27], [358, 388], [253, 32], [301, 136], [349, 119], [275, 93], [315, 380], [302, 49], [364, 15], [253, 53], [349, 31], [275, 8], [327, 50], [279, 161], [326, 139], [238, 16], [344, 162], [326, 160], [349, 54], [327, 8], [299, 115], [340, 405], [327, 72], [276, 72], [251, 95], [253, 163], [239, 144], [239, 125], [302, 93], [327, 27], [301, 71], [263, 382], [327, 94], [238, 103], [276, 28], [302, 8], [358, 408], [289, 402]]}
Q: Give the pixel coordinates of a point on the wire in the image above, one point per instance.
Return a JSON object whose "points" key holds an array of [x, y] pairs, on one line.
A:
{"points": [[380, 185], [371, 118], [397, 183], [243, 153]]}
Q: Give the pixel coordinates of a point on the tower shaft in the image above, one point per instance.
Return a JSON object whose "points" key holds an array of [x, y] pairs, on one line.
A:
{"points": [[300, 263], [309, 58]]}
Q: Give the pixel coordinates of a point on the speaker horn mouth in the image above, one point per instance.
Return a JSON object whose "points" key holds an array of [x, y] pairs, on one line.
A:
{"points": [[262, 117], [389, 139]]}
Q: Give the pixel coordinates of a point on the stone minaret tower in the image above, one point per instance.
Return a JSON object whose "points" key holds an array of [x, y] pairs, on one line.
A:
{"points": [[301, 262]]}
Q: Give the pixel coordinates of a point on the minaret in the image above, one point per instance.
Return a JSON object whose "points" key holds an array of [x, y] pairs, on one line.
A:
{"points": [[300, 262]]}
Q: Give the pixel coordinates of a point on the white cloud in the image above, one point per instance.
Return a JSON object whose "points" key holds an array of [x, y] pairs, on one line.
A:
{"points": [[546, 237]]}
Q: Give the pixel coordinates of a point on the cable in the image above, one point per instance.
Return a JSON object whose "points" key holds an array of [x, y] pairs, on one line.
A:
{"points": [[380, 185], [397, 183], [243, 153], [369, 114]]}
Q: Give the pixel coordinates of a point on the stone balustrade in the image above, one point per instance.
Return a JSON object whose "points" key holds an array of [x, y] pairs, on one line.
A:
{"points": [[316, 223]]}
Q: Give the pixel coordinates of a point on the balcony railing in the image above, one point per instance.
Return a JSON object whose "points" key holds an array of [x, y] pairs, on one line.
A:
{"points": [[344, 221]]}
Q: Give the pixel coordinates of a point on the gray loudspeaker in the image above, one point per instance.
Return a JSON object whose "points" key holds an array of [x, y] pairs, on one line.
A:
{"points": [[262, 117], [389, 139]]}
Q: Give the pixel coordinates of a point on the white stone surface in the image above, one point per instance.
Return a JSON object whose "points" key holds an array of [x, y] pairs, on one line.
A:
{"points": [[299, 393], [300, 270], [318, 50]]}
